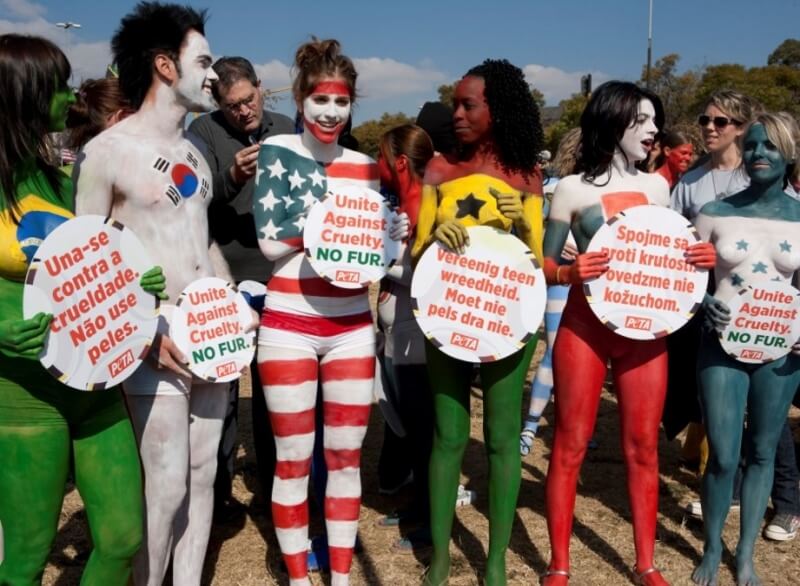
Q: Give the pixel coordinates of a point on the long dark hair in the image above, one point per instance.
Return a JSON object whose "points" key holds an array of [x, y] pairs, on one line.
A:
{"points": [[516, 123], [32, 70], [610, 111]]}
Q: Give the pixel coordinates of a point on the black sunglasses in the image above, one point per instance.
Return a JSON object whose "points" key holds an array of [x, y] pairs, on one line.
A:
{"points": [[719, 121]]}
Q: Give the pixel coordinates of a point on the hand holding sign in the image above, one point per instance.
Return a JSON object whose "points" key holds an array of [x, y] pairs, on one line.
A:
{"points": [[86, 274], [25, 338]]}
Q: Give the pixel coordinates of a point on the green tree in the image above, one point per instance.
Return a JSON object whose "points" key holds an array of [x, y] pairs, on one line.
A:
{"points": [[571, 110], [787, 53], [677, 91], [370, 132]]}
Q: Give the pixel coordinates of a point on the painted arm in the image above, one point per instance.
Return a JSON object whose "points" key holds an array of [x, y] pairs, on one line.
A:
{"points": [[279, 233], [218, 262], [426, 220], [401, 271]]}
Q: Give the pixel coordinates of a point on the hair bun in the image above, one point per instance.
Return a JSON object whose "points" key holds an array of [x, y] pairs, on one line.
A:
{"points": [[315, 51]]}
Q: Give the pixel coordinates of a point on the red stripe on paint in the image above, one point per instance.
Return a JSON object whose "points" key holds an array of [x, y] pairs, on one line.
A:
{"points": [[348, 369], [288, 372], [313, 286], [341, 459], [342, 508], [339, 415], [315, 325], [331, 87], [297, 565], [292, 469], [341, 559], [289, 424], [290, 516], [366, 172]]}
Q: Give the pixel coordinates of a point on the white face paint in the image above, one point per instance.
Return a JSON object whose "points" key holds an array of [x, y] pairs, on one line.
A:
{"points": [[638, 139], [327, 110], [193, 87]]}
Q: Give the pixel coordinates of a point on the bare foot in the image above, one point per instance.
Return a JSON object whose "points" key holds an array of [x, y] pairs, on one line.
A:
{"points": [[706, 573]]}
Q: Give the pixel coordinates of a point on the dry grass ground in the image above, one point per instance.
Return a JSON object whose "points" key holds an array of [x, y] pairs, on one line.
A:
{"points": [[243, 550]]}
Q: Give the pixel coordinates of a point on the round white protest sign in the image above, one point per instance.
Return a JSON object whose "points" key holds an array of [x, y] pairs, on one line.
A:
{"points": [[209, 326], [764, 322], [482, 305], [649, 290], [86, 273], [346, 237]]}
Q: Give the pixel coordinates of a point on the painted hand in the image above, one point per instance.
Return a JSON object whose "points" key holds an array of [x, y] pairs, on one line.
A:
{"points": [[702, 255], [154, 282], [509, 204], [796, 348], [570, 251], [167, 355], [255, 321], [717, 313], [400, 227], [25, 338], [589, 265], [244, 164], [453, 235]]}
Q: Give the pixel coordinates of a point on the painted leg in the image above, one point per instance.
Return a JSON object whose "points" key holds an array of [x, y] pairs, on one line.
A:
{"points": [[772, 387], [32, 479], [450, 380], [577, 399], [108, 477], [347, 381], [542, 386], [723, 393], [640, 377], [289, 379], [207, 405], [503, 383], [161, 424]]}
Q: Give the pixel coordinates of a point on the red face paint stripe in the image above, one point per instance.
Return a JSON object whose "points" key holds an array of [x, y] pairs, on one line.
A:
{"points": [[289, 424], [361, 171], [338, 88], [297, 565], [288, 372], [314, 287], [315, 325], [339, 415], [290, 516], [341, 559], [348, 369], [342, 508], [292, 469], [341, 459]]}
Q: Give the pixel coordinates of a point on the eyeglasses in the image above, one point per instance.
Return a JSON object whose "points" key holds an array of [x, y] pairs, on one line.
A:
{"points": [[718, 121], [249, 102]]}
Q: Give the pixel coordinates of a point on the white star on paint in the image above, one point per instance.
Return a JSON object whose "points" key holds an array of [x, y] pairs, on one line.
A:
{"points": [[270, 231], [268, 201], [276, 169], [259, 172], [308, 199], [288, 200], [300, 222], [295, 181], [316, 178]]}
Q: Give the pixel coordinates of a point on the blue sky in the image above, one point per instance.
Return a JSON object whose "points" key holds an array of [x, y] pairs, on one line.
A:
{"points": [[405, 49]]}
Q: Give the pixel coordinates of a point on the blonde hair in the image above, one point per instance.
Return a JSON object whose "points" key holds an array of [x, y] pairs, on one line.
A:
{"points": [[566, 155], [782, 130], [735, 104]]}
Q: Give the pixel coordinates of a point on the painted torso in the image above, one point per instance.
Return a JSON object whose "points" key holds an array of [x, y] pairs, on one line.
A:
{"points": [[585, 207], [751, 246], [288, 182], [161, 190]]}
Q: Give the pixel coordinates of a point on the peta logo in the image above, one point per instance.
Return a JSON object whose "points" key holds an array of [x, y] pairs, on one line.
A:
{"points": [[638, 323], [120, 363], [752, 354], [226, 369], [348, 276], [462, 341]]}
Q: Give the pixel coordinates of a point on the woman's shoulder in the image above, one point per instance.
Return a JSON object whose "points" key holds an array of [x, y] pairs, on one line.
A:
{"points": [[289, 141], [441, 169]]}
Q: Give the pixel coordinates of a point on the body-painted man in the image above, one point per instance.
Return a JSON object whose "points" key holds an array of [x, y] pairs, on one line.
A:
{"points": [[308, 325], [757, 236], [493, 182], [618, 128], [146, 174], [44, 424]]}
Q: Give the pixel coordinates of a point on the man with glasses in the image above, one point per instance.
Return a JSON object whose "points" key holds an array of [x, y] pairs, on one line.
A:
{"points": [[232, 135]]}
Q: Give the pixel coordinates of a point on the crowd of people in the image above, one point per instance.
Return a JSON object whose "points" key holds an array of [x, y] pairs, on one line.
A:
{"points": [[153, 458]]}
